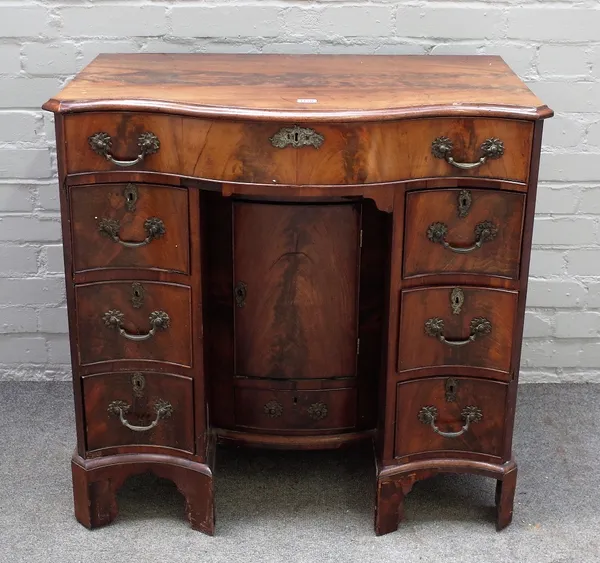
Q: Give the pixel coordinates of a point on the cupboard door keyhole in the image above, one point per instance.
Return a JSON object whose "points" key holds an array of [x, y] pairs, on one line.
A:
{"points": [[240, 291]]}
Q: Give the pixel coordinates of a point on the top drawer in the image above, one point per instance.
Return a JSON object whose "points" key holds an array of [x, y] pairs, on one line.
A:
{"points": [[270, 152]]}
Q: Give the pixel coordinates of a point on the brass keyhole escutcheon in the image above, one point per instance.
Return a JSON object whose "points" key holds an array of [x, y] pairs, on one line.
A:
{"points": [[130, 193], [457, 299], [137, 295], [451, 388], [240, 291], [138, 383], [465, 199]]}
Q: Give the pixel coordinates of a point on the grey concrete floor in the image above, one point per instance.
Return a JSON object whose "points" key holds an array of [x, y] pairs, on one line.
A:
{"points": [[306, 506]]}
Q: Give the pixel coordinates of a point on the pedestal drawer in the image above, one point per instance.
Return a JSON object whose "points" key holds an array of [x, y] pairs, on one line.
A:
{"points": [[285, 410], [456, 326], [147, 321], [138, 408], [130, 226], [450, 414], [470, 231]]}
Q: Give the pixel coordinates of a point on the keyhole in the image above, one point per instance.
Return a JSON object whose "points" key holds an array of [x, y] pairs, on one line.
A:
{"points": [[295, 400], [296, 137], [463, 201], [136, 292], [451, 388], [456, 300], [130, 197]]}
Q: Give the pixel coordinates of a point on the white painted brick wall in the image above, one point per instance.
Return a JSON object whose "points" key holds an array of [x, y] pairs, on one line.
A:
{"points": [[553, 46]]}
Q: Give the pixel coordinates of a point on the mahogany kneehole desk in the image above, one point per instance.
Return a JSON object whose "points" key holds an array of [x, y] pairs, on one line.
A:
{"points": [[295, 252]]}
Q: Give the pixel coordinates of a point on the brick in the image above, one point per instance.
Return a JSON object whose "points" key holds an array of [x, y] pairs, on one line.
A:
{"points": [[355, 21], [59, 351], [550, 354], [15, 198], [29, 229], [218, 47], [582, 167], [48, 197], [548, 23], [563, 60], [18, 350], [21, 21], [563, 131], [10, 59], [556, 200], [25, 163], [546, 263], [225, 21], [584, 262], [564, 230], [18, 260], [537, 325], [593, 296], [160, 46], [48, 60], [400, 49], [593, 136], [555, 293], [304, 48], [20, 126], [32, 291], [49, 129], [114, 21], [436, 21], [54, 320], [27, 92], [590, 201], [91, 49], [456, 49], [17, 319], [577, 324], [518, 57], [569, 96], [55, 259], [590, 356]]}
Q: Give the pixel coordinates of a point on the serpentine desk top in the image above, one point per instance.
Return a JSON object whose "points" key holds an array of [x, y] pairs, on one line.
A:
{"points": [[301, 87]]}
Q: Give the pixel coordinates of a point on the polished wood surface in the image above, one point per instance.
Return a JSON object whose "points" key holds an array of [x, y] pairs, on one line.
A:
{"points": [[355, 87], [491, 351], [486, 436], [130, 205], [286, 411], [298, 264], [351, 153], [310, 303], [499, 256], [101, 343], [174, 431]]}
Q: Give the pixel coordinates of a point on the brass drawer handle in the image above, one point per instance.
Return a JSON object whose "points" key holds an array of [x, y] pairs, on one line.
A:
{"points": [[491, 148], [296, 137], [317, 411], [470, 414], [162, 408], [101, 143], [480, 326], [154, 227], [159, 320], [484, 232], [273, 409]]}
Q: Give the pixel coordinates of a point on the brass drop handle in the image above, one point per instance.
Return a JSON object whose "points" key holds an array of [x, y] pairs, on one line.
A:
{"points": [[480, 326], [484, 232], [491, 148], [159, 320], [153, 226], [101, 143], [470, 414], [162, 408]]}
